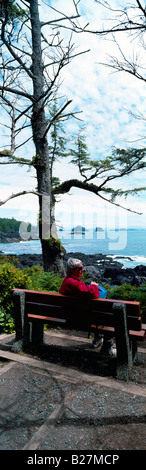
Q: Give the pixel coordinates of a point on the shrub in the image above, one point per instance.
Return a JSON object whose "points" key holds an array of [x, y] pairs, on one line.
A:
{"points": [[128, 292], [10, 278], [46, 281], [43, 281], [28, 278], [6, 322]]}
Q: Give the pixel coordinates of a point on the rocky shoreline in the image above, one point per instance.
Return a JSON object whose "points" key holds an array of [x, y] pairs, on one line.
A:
{"points": [[99, 268], [9, 237], [13, 237]]}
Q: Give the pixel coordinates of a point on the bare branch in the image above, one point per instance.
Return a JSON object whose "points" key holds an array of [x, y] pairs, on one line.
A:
{"points": [[15, 91], [12, 52], [124, 22], [141, 8], [67, 185], [63, 15], [127, 65], [21, 193], [51, 22], [119, 205]]}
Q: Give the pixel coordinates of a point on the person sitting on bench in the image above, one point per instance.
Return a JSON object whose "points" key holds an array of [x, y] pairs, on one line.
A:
{"points": [[73, 285]]}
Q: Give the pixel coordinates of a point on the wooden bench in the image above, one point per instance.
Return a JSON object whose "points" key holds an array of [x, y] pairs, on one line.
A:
{"points": [[115, 317]]}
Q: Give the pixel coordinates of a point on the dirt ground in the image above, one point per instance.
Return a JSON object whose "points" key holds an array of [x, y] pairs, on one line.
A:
{"points": [[66, 397]]}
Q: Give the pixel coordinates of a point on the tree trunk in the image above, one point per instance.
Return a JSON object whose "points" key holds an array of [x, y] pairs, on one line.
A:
{"points": [[53, 259], [53, 255]]}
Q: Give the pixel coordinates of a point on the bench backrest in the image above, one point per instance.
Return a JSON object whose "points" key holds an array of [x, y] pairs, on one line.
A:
{"points": [[77, 312]]}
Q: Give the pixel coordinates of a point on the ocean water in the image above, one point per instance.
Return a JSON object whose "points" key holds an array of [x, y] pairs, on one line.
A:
{"points": [[128, 247]]}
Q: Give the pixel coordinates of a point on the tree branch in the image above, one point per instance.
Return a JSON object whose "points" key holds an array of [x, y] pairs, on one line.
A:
{"points": [[67, 185], [21, 193], [141, 8], [64, 16], [57, 115], [45, 23], [16, 92], [119, 205], [126, 66], [12, 52], [125, 24]]}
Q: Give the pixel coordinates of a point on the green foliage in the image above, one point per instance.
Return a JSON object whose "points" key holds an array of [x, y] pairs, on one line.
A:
{"points": [[10, 278], [128, 292], [12, 259], [57, 141], [46, 281], [33, 271], [33, 278], [80, 153], [55, 182], [6, 322], [55, 245], [10, 11], [129, 158], [119, 164], [9, 225]]}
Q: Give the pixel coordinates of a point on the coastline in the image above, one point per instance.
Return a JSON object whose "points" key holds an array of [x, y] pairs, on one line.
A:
{"points": [[130, 252], [99, 267]]}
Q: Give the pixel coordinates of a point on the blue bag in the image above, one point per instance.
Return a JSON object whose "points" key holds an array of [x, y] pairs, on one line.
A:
{"points": [[103, 292]]}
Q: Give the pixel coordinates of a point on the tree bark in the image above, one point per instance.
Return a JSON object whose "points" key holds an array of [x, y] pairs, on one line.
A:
{"points": [[53, 260]]}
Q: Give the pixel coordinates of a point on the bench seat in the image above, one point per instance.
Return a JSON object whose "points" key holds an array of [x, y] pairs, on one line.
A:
{"points": [[139, 335]]}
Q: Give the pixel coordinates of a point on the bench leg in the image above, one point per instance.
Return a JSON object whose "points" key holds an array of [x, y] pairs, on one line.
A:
{"points": [[22, 325], [124, 351], [37, 334], [26, 332], [19, 309], [134, 349]]}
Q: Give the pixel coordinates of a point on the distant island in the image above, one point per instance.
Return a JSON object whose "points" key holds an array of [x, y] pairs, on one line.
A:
{"points": [[9, 230], [78, 229]]}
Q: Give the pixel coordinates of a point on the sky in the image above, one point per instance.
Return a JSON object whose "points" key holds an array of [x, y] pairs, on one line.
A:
{"points": [[105, 99]]}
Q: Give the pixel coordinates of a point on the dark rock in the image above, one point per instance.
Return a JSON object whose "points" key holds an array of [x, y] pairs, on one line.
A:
{"points": [[122, 276], [26, 260], [29, 260], [14, 237], [93, 274], [9, 237], [140, 270]]}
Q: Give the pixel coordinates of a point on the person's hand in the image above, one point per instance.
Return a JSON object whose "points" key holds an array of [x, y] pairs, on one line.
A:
{"points": [[94, 283]]}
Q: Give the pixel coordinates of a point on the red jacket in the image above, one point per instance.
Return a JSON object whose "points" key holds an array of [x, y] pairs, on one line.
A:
{"points": [[74, 286]]}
